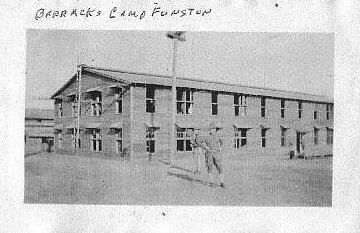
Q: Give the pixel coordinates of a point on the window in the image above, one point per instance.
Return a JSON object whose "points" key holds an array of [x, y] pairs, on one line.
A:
{"points": [[316, 136], [59, 104], [316, 109], [263, 137], [73, 99], [150, 140], [214, 103], [183, 137], [185, 101], [300, 108], [74, 110], [329, 111], [263, 106], [282, 109], [96, 140], [75, 142], [329, 136], [240, 137], [118, 100], [283, 137], [240, 104], [150, 99], [96, 105], [119, 145]]}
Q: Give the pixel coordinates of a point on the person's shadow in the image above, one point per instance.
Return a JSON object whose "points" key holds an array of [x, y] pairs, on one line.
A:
{"points": [[189, 178], [181, 168]]}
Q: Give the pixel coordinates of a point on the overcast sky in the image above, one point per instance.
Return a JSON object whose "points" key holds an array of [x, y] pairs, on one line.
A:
{"points": [[288, 61]]}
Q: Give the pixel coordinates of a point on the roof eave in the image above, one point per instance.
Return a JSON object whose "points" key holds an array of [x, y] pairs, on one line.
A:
{"points": [[64, 86]]}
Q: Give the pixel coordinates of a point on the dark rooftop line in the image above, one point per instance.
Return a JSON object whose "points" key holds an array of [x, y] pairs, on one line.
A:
{"points": [[201, 80]]}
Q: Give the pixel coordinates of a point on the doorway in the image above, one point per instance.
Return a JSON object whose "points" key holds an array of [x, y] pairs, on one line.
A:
{"points": [[48, 143], [299, 140]]}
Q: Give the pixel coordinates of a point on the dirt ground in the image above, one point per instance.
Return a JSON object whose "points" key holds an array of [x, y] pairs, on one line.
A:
{"points": [[250, 181]]}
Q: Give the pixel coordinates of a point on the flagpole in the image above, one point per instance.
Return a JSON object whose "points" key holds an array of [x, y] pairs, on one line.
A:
{"points": [[176, 36], [173, 112]]}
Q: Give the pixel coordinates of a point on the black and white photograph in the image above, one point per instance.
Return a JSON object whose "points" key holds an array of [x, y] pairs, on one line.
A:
{"points": [[180, 118]]}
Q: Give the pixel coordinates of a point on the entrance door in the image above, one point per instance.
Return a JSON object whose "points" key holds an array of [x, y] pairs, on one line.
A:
{"points": [[299, 140]]}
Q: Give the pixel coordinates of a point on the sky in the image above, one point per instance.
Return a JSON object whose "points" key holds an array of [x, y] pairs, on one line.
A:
{"points": [[301, 62]]}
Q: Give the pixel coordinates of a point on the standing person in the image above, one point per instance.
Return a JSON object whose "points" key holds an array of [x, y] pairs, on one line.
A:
{"points": [[292, 150], [212, 145], [197, 149]]}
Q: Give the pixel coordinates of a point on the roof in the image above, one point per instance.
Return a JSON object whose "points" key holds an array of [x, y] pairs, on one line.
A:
{"points": [[39, 132], [47, 114], [163, 80]]}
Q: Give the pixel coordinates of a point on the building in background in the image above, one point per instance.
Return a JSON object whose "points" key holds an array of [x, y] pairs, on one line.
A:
{"points": [[132, 111], [39, 131]]}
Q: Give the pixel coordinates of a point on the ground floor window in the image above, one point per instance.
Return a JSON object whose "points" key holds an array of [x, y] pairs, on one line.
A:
{"points": [[263, 137], [150, 140], [316, 136], [329, 136], [96, 144], [75, 142], [119, 144], [240, 138], [283, 136], [183, 139]]}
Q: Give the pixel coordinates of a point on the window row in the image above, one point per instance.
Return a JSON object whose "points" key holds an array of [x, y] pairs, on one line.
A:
{"points": [[95, 140], [184, 104], [184, 138], [95, 104], [240, 137]]}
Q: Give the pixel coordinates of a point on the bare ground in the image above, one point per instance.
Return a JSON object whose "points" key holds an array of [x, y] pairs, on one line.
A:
{"points": [[250, 181]]}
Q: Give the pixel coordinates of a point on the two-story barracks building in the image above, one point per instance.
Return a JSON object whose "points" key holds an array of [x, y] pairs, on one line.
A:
{"points": [[132, 111]]}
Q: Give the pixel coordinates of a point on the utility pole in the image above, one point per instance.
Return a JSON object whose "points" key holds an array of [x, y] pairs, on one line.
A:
{"points": [[77, 143], [176, 36]]}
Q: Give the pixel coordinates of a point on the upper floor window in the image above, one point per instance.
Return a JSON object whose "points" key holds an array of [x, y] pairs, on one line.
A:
{"points": [[59, 105], [329, 111], [118, 100], [240, 104], [214, 103], [240, 138], [73, 99], [329, 136], [150, 99], [96, 103], [316, 110], [263, 106], [185, 101], [300, 109], [183, 139], [282, 111]]}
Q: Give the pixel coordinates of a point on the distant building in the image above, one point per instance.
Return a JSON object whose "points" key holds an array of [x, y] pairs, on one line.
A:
{"points": [[39, 131], [130, 110]]}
